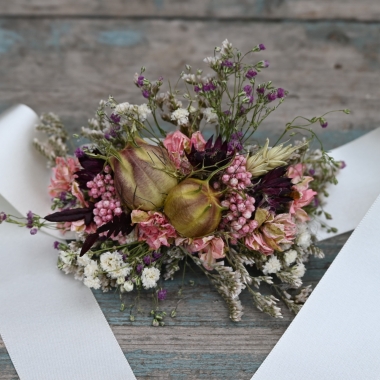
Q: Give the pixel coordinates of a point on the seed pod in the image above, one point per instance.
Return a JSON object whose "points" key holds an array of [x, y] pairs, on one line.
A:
{"points": [[139, 177], [193, 208]]}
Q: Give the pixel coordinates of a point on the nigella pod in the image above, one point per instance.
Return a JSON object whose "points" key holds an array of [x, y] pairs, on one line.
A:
{"points": [[193, 208], [142, 176]]}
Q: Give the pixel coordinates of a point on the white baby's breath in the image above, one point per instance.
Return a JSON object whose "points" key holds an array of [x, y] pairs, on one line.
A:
{"points": [[273, 265], [181, 116], [149, 277], [290, 256]]}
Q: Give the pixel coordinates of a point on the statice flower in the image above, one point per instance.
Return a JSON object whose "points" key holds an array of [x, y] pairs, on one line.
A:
{"points": [[149, 277], [92, 282], [161, 294]]}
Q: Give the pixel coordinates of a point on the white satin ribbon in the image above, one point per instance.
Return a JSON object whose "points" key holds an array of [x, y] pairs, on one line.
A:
{"points": [[52, 326]]}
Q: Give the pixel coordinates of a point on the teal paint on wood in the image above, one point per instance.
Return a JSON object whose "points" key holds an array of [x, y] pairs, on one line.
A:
{"points": [[58, 30], [120, 38], [8, 38]]}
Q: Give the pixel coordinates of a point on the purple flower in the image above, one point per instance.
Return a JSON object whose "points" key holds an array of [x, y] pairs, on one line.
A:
{"points": [[139, 268], [248, 89], [146, 94], [147, 260], [115, 118], [107, 136], [311, 172], [113, 132], [280, 93], [261, 47], [196, 89], [250, 74], [140, 81], [3, 216], [227, 112], [235, 142], [29, 217], [260, 90], [266, 63], [79, 153], [342, 164], [56, 244], [227, 63], [161, 79], [161, 294], [272, 96], [33, 231], [323, 122], [206, 87], [156, 255], [62, 196]]}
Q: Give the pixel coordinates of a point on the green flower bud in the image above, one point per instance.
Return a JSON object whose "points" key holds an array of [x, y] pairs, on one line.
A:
{"points": [[140, 176], [193, 208]]}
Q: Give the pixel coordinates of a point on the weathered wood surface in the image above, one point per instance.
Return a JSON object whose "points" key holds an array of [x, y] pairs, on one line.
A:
{"points": [[225, 9], [66, 66], [201, 342]]}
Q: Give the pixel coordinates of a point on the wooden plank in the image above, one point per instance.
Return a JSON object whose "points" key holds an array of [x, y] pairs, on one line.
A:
{"points": [[207, 9], [201, 342], [67, 66]]}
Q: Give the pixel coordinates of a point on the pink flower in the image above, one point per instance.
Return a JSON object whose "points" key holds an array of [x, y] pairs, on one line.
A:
{"points": [[198, 141], [63, 175], [153, 228], [304, 195], [210, 248], [176, 143], [271, 232], [76, 191]]}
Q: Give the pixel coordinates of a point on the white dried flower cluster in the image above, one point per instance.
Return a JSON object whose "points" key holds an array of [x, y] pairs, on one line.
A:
{"points": [[141, 112], [303, 239], [109, 271], [273, 265], [149, 277], [223, 52], [113, 265], [210, 115], [180, 116], [55, 145], [290, 256], [267, 304]]}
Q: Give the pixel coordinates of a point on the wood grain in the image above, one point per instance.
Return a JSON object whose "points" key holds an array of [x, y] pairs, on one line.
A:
{"points": [[66, 66], [207, 9]]}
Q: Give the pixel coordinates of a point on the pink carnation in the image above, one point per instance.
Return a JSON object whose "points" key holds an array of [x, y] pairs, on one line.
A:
{"points": [[63, 175], [176, 143], [210, 248], [153, 228], [271, 232], [303, 193], [198, 141]]}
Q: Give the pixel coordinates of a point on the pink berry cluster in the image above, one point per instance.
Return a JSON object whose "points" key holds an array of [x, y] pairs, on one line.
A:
{"points": [[109, 205], [236, 175], [238, 219]]}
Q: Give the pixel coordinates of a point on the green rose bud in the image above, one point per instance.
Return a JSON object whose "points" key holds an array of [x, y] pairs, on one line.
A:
{"points": [[193, 208], [140, 179]]}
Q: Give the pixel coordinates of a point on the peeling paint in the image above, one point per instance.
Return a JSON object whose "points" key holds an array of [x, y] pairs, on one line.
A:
{"points": [[57, 31], [120, 37], [8, 39]]}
